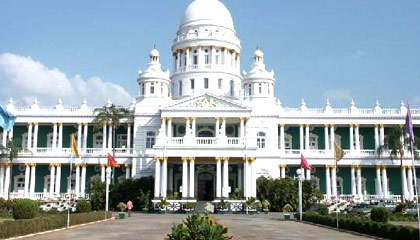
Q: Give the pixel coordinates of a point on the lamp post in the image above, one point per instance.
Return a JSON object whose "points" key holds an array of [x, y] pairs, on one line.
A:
{"points": [[108, 178], [299, 174]]}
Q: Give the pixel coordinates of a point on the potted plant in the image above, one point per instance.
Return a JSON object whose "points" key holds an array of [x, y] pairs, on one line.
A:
{"points": [[122, 206], [188, 207], [162, 206], [286, 211], [251, 205], [222, 207], [265, 206], [147, 202]]}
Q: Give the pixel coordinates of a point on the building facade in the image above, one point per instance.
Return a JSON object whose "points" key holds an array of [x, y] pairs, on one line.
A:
{"points": [[207, 129]]}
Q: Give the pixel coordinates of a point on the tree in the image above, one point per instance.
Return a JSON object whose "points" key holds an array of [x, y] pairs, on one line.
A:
{"points": [[110, 114], [9, 153], [97, 193], [395, 142]]}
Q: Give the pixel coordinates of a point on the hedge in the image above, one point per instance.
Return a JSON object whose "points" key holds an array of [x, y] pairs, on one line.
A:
{"points": [[25, 209], [378, 229], [28, 226]]}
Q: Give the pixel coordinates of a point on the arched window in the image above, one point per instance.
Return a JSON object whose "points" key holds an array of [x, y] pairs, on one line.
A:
{"points": [[195, 57], [261, 140], [150, 139], [218, 57], [206, 56]]}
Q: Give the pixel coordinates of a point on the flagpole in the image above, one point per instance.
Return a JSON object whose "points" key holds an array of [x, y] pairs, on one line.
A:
{"points": [[336, 195], [415, 186], [69, 196]]}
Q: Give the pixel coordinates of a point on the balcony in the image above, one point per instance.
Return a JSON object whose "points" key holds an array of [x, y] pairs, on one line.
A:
{"points": [[67, 151], [203, 142]]}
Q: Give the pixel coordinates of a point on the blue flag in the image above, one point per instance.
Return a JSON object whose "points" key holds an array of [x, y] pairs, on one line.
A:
{"points": [[7, 120], [409, 125]]}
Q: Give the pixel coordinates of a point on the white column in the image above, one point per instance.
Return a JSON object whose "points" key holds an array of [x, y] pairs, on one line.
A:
{"points": [[6, 182], [103, 172], [85, 135], [384, 182], [357, 137], [77, 181], [104, 137], [307, 137], [253, 178], [60, 136], [79, 136], [29, 141], [301, 137], [282, 142], [187, 127], [4, 138], [353, 181], [178, 59], [32, 187], [283, 171], [382, 135], [128, 138], [11, 134], [332, 138], [240, 177], [185, 177], [127, 171], [242, 127], [109, 137], [192, 178], [351, 138], [162, 130], [54, 140], [164, 177], [52, 179], [223, 130], [193, 126], [58, 180], [308, 174], [1, 180], [359, 182], [377, 142], [334, 181], [409, 180], [133, 167], [27, 177], [83, 181], [326, 138], [35, 146], [217, 127], [213, 55], [328, 181], [246, 175], [218, 178], [157, 177], [169, 127], [187, 58], [170, 179], [378, 181], [404, 180], [225, 177], [200, 56]]}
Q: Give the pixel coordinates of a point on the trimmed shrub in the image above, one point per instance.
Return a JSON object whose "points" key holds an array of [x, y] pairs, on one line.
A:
{"points": [[25, 209], [22, 227], [83, 206], [379, 214]]}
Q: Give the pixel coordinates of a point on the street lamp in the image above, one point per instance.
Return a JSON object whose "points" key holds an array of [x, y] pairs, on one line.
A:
{"points": [[299, 174], [108, 176]]}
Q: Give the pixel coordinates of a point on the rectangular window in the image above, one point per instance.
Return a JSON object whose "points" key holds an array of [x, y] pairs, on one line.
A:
{"points": [[250, 89], [206, 59], [232, 88], [152, 88], [195, 60], [206, 83], [180, 88], [121, 140], [260, 87], [142, 89], [220, 83], [192, 83], [161, 88]]}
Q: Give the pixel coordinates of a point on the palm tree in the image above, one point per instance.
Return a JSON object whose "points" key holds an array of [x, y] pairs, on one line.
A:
{"points": [[9, 152], [110, 114]]}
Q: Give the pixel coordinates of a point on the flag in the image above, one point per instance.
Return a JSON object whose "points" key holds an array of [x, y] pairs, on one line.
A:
{"points": [[409, 125], [74, 146], [112, 162], [303, 163], [338, 152], [7, 120]]}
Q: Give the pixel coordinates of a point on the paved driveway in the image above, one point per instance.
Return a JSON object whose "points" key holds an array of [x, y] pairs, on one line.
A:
{"points": [[157, 226]]}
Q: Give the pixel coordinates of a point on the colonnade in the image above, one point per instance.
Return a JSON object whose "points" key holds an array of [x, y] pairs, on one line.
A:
{"points": [[4, 180]]}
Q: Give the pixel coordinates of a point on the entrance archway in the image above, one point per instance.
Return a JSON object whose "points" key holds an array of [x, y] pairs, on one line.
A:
{"points": [[205, 186]]}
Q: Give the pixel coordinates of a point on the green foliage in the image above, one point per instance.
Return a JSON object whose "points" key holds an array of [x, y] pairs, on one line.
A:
{"points": [[98, 193], [287, 208], [265, 204], [21, 227], [145, 200], [323, 210], [196, 227], [379, 214], [189, 205], [83, 206], [251, 202], [6, 205], [402, 207], [280, 192], [25, 209], [222, 204], [236, 195], [133, 190], [403, 217], [378, 229], [122, 206]]}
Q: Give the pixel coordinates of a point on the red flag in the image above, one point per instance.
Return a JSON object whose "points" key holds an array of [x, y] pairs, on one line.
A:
{"points": [[112, 162], [303, 163]]}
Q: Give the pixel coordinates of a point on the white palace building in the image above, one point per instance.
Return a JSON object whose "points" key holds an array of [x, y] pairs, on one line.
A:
{"points": [[206, 129]]}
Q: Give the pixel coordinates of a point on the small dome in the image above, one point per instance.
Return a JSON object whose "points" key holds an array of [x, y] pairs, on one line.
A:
{"points": [[154, 53], [258, 53], [207, 12]]}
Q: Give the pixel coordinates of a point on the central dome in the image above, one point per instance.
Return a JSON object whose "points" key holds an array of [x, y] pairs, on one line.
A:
{"points": [[207, 12]]}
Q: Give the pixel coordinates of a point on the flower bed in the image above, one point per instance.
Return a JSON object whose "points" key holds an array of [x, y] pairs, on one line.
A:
{"points": [[28, 226], [384, 230]]}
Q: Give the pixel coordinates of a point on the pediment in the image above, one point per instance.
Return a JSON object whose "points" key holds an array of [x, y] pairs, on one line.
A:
{"points": [[208, 101]]}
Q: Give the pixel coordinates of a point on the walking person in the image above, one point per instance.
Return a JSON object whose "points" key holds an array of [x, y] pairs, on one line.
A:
{"points": [[129, 207]]}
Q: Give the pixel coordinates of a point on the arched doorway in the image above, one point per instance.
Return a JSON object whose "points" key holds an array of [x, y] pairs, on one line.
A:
{"points": [[205, 186], [205, 133]]}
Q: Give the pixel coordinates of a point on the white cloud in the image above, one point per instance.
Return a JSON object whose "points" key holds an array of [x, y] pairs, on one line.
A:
{"points": [[339, 95], [24, 78]]}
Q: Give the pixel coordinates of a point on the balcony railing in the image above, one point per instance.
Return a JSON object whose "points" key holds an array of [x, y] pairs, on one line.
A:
{"points": [[204, 142], [46, 195], [64, 151]]}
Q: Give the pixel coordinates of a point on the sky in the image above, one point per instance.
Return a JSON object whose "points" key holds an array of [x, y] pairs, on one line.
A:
{"points": [[365, 50]]}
